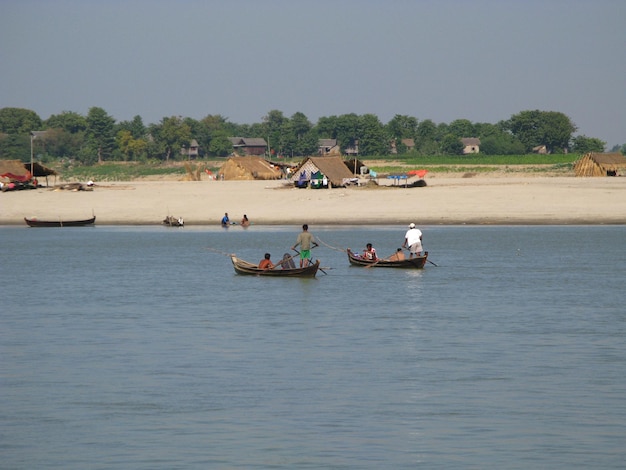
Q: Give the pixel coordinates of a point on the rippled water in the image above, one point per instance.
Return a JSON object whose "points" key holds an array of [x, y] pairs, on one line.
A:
{"points": [[139, 347]]}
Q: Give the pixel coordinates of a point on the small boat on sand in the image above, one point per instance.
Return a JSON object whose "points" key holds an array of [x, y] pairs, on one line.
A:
{"points": [[172, 221], [35, 222]]}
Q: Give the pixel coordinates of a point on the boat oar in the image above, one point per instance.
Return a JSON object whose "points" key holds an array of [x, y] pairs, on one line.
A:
{"points": [[283, 261], [426, 258], [374, 264]]}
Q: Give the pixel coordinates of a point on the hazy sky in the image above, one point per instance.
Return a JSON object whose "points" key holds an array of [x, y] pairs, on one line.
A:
{"points": [[482, 60]]}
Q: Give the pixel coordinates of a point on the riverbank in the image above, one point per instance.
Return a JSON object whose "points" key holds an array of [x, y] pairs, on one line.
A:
{"points": [[445, 200]]}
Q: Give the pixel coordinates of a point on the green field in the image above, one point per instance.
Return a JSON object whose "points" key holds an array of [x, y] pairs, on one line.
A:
{"points": [[123, 171]]}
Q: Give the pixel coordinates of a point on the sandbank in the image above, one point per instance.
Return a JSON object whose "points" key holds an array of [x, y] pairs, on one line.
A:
{"points": [[526, 200]]}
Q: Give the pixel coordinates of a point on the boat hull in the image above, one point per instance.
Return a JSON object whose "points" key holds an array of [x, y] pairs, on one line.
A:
{"points": [[417, 262], [59, 223], [244, 267]]}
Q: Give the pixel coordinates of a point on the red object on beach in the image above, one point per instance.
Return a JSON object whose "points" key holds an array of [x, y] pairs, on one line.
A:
{"points": [[420, 173]]}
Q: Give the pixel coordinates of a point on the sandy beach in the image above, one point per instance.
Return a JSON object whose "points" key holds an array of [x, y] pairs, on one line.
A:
{"points": [[517, 199]]}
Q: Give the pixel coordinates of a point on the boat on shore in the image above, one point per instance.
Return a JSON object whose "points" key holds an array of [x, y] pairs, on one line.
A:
{"points": [[244, 267], [171, 221], [417, 262], [35, 222]]}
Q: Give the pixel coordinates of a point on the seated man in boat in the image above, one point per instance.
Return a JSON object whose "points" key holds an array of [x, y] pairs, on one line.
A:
{"points": [[369, 253], [397, 256], [266, 263], [287, 262]]}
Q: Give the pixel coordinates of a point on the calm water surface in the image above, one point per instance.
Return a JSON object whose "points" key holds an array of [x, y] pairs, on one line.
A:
{"points": [[140, 348]]}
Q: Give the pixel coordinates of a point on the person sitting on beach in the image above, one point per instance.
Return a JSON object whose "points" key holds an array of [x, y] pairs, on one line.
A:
{"points": [[265, 262], [245, 222], [225, 220], [369, 253], [397, 256]]}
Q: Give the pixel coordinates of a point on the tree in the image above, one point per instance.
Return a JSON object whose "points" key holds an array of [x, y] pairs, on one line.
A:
{"points": [[501, 144], [19, 121], [372, 140], [135, 127], [170, 135], [348, 131], [426, 138], [272, 130], [583, 144], [327, 126], [462, 128], [549, 128], [100, 128], [402, 127], [69, 121], [131, 148], [451, 145], [60, 143], [220, 145], [215, 127], [15, 147]]}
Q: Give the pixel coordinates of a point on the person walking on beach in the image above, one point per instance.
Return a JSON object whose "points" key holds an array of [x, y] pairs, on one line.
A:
{"points": [[305, 240], [413, 240]]}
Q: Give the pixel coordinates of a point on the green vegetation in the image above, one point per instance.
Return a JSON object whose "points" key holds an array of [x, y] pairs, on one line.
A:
{"points": [[118, 171], [480, 159], [129, 171], [99, 138]]}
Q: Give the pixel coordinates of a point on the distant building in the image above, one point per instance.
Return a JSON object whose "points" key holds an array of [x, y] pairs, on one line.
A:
{"points": [[328, 147], [353, 151], [408, 143], [333, 168], [249, 145], [600, 164], [542, 149], [470, 145], [191, 151]]}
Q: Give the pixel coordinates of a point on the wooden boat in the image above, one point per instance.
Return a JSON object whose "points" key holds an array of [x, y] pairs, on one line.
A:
{"points": [[417, 262], [35, 222], [244, 267]]}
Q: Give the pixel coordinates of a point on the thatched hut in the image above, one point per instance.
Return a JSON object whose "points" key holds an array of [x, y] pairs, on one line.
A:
{"points": [[334, 168], [14, 170], [600, 164], [249, 168]]}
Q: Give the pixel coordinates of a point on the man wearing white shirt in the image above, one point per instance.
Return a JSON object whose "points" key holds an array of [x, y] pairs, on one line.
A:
{"points": [[413, 240]]}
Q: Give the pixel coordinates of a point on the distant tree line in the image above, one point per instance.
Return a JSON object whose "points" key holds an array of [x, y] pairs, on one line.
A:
{"points": [[97, 137]]}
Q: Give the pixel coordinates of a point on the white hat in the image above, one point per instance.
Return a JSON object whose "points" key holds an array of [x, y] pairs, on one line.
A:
{"points": [[411, 225]]}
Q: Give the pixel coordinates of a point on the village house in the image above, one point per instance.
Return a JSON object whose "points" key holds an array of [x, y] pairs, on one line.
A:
{"points": [[470, 145], [333, 169], [191, 151], [248, 145], [600, 164], [408, 143], [328, 147]]}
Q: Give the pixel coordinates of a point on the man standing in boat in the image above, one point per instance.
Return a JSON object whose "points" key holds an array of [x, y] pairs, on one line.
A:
{"points": [[413, 240], [305, 240]]}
